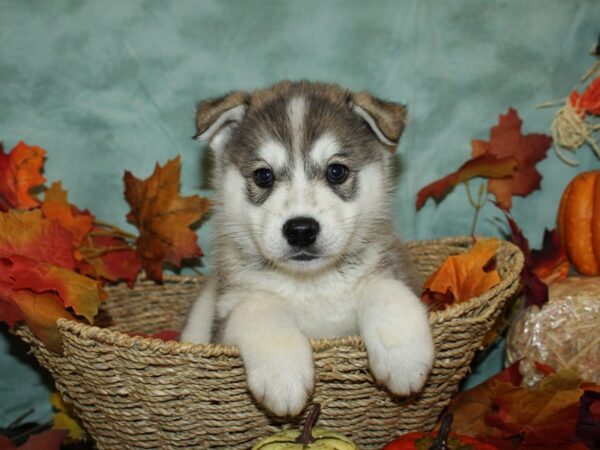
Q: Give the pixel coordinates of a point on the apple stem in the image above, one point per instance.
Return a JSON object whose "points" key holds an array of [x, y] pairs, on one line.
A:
{"points": [[306, 436], [441, 441]]}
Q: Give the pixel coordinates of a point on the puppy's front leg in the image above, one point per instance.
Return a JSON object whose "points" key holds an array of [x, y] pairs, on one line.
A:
{"points": [[277, 356], [395, 328]]}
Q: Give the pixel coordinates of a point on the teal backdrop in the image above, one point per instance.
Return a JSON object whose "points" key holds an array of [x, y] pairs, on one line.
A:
{"points": [[110, 85]]}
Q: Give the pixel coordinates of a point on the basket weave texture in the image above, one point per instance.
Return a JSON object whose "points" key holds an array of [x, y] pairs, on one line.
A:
{"points": [[142, 393]]}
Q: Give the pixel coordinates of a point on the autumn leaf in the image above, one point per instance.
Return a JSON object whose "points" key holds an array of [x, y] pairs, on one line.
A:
{"points": [[544, 369], [550, 263], [506, 141], [27, 233], [588, 420], [163, 218], [503, 412], [589, 101], [463, 276], [37, 281], [542, 266], [507, 160], [74, 290], [100, 254], [470, 407], [165, 335], [57, 207], [419, 440], [110, 258], [546, 416], [20, 171], [9, 311], [64, 419], [486, 165], [40, 312]]}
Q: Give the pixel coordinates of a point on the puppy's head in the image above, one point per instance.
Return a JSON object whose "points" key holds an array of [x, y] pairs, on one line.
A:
{"points": [[302, 170]]}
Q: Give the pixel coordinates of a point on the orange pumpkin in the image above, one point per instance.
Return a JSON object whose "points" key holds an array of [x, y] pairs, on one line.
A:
{"points": [[441, 440], [426, 441], [579, 222]]}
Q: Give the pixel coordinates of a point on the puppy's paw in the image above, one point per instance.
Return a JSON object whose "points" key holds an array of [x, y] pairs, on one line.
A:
{"points": [[400, 362], [282, 381]]}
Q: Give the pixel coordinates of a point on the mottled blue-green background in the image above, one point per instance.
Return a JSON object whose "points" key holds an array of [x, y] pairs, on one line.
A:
{"points": [[106, 86]]}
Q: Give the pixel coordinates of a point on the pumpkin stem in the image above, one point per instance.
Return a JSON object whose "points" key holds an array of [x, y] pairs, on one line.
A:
{"points": [[441, 441], [306, 436]]}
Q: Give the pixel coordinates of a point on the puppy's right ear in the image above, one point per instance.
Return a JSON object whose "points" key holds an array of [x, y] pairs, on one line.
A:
{"points": [[216, 118]]}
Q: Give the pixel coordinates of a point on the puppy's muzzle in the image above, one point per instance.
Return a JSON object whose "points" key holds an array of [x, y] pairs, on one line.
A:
{"points": [[301, 231]]}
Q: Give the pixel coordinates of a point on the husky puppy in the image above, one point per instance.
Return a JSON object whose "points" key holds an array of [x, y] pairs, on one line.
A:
{"points": [[305, 246]]}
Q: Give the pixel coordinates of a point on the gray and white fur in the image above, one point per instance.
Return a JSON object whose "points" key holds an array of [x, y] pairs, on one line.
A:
{"points": [[305, 246]]}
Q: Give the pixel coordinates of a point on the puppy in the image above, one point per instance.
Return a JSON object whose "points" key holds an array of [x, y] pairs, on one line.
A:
{"points": [[305, 246]]}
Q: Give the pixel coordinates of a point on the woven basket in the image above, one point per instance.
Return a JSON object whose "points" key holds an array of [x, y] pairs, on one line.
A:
{"points": [[141, 393]]}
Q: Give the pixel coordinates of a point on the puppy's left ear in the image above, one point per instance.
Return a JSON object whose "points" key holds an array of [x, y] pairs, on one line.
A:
{"points": [[216, 118], [386, 119]]}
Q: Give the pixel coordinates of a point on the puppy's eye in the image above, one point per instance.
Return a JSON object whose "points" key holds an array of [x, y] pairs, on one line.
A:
{"points": [[337, 173], [264, 178]]}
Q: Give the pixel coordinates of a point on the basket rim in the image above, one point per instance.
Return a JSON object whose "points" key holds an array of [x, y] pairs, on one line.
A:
{"points": [[122, 339]]}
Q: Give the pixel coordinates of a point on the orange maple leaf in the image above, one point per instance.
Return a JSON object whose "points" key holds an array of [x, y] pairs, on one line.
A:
{"points": [[163, 218], [506, 141], [99, 254], [74, 290], [463, 276], [37, 278], [27, 233], [57, 207], [40, 312], [20, 171]]}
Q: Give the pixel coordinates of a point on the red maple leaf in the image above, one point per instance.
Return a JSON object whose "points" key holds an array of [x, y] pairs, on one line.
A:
{"points": [[165, 335], [488, 166], [506, 141], [542, 266], [550, 263], [110, 258]]}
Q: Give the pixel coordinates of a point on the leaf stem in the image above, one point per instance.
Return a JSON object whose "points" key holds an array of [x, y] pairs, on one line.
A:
{"points": [[112, 230], [477, 205]]}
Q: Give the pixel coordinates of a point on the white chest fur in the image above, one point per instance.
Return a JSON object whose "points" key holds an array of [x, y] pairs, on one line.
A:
{"points": [[322, 305]]}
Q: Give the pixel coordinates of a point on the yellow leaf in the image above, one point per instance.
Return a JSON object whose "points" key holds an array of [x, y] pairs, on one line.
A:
{"points": [[64, 419]]}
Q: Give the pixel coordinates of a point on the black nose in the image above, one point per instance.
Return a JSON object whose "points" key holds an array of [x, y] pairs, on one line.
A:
{"points": [[301, 231]]}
